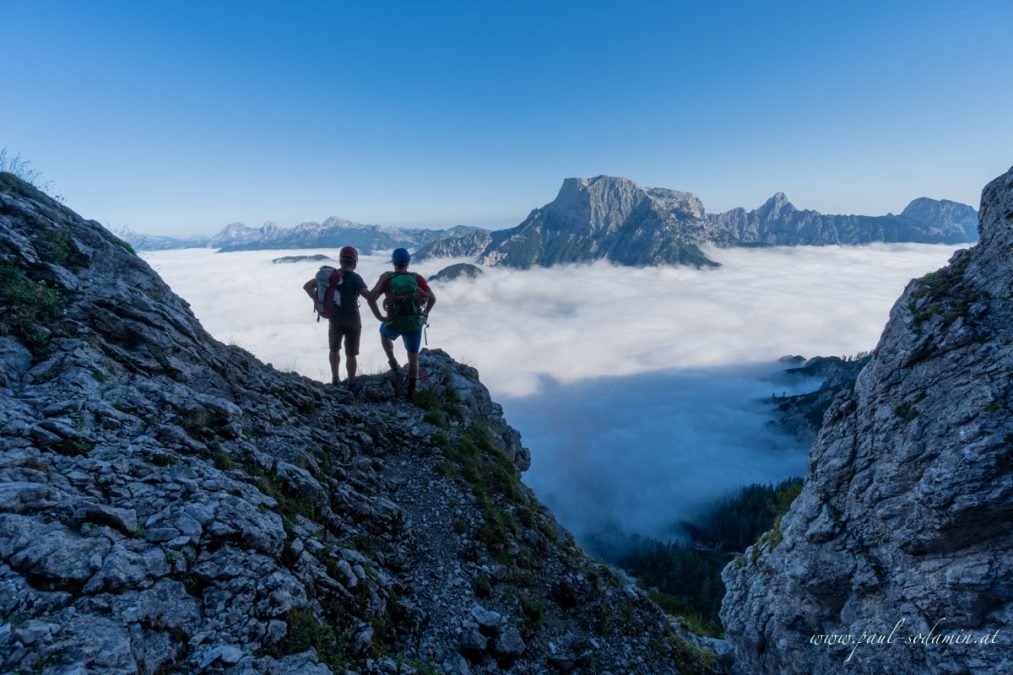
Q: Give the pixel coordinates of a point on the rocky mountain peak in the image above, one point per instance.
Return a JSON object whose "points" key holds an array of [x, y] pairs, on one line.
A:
{"points": [[169, 503], [776, 207], [944, 216], [599, 204], [904, 514]]}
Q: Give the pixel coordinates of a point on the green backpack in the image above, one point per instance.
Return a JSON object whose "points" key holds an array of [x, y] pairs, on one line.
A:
{"points": [[405, 314]]}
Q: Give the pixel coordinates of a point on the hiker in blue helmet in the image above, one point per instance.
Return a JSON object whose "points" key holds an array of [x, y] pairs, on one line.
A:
{"points": [[407, 302]]}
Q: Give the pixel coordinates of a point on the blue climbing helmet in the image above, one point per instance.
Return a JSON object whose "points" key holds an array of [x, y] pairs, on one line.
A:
{"points": [[400, 256]]}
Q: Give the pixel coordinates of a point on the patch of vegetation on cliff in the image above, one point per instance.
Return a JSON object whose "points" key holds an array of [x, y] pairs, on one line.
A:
{"points": [[475, 457], [943, 293], [684, 578], [439, 409], [305, 631], [30, 309]]}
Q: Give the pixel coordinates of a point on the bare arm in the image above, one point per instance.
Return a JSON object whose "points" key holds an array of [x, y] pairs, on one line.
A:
{"points": [[377, 288], [371, 300], [372, 295], [429, 303]]}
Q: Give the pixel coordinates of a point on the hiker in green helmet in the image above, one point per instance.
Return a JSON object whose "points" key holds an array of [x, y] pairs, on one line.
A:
{"points": [[335, 295], [408, 301]]}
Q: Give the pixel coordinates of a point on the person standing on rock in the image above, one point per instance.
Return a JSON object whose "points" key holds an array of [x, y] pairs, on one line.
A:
{"points": [[405, 293], [345, 324]]}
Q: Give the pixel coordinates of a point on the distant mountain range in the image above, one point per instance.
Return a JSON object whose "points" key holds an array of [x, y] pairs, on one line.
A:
{"points": [[332, 233], [614, 218], [779, 223]]}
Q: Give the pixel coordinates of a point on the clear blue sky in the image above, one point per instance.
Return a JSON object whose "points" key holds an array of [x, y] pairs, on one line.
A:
{"points": [[179, 117]]}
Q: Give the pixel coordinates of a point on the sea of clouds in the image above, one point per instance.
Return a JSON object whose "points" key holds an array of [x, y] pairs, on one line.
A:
{"points": [[639, 391]]}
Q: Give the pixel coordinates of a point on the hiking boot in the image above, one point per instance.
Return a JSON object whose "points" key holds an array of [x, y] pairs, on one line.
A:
{"points": [[393, 365], [354, 386]]}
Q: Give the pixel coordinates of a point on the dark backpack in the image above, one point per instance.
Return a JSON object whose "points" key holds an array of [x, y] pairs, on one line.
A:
{"points": [[405, 313], [327, 299]]}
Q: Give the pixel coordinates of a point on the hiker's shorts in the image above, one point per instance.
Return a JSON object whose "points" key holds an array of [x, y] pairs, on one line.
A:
{"points": [[350, 332], [412, 340]]}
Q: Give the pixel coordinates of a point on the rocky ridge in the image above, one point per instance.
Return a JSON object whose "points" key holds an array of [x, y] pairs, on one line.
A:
{"points": [[903, 520], [331, 233], [778, 223], [615, 218], [458, 271], [168, 503], [468, 245]]}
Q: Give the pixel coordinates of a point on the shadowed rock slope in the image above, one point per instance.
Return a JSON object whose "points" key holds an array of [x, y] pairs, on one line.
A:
{"points": [[906, 512], [170, 504]]}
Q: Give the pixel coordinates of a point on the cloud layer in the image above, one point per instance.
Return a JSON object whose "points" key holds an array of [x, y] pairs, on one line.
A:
{"points": [[638, 391], [576, 322]]}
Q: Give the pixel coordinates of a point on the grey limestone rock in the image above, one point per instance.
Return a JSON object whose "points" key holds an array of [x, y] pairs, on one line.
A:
{"points": [[509, 643], [904, 517]]}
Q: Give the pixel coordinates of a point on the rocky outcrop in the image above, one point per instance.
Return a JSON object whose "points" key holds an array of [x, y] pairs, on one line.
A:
{"points": [[170, 504], [468, 245], [778, 223], [901, 533], [606, 217], [802, 414], [459, 271], [285, 259]]}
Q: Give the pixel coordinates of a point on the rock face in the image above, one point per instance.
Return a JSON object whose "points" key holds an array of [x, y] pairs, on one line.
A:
{"points": [[170, 504], [606, 217], [905, 514], [779, 223]]}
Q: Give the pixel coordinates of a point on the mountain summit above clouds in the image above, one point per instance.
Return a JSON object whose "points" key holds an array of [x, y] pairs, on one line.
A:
{"points": [[778, 223], [170, 504], [606, 217], [616, 219]]}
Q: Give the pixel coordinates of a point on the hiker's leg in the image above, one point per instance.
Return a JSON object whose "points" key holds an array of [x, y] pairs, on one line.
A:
{"points": [[413, 366], [388, 346], [351, 352], [335, 359], [412, 342], [334, 343], [351, 365]]}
